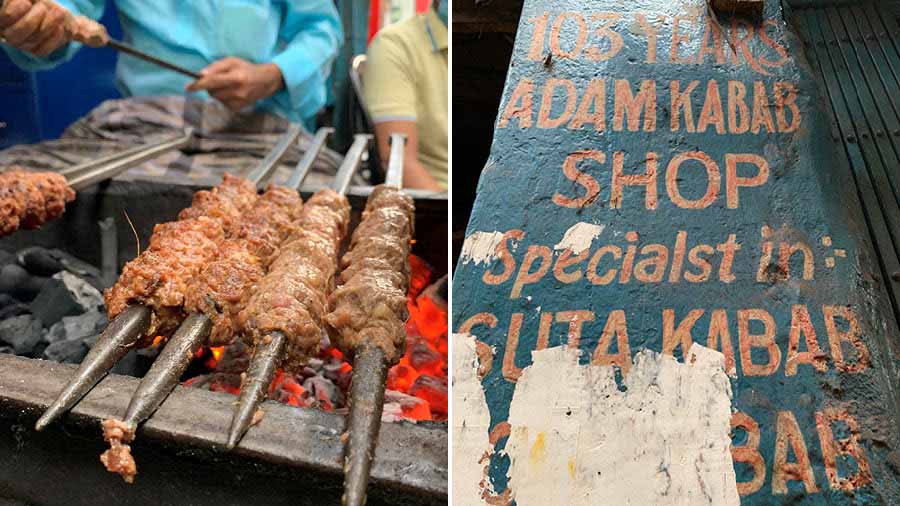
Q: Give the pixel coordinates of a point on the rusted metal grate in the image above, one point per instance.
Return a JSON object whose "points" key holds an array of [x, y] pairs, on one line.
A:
{"points": [[855, 53]]}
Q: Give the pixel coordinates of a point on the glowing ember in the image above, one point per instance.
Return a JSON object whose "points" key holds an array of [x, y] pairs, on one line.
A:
{"points": [[216, 354], [422, 372], [417, 386]]}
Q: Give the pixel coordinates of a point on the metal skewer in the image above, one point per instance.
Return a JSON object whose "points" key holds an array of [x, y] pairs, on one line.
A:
{"points": [[266, 358], [75, 170], [167, 369], [129, 326], [113, 344], [265, 169], [125, 48], [370, 368], [309, 158], [88, 176], [394, 176]]}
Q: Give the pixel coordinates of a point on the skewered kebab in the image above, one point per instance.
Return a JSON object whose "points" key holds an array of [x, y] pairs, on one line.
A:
{"points": [[244, 258], [281, 319], [212, 299], [369, 312], [242, 261], [159, 277], [30, 199]]}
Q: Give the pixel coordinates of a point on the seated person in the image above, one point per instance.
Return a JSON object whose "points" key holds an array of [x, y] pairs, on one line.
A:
{"points": [[405, 91], [274, 56]]}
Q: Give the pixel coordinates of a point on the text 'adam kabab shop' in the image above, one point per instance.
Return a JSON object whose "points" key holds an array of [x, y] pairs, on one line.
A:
{"points": [[680, 279]]}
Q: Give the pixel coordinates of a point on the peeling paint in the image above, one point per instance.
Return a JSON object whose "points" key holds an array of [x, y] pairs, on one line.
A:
{"points": [[471, 422], [577, 439], [579, 237], [480, 247]]}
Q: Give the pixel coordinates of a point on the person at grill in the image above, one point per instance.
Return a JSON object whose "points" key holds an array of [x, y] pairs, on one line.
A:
{"points": [[405, 92], [274, 56]]}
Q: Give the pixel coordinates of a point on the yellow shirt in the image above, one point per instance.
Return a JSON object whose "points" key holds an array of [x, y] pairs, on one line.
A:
{"points": [[406, 80]]}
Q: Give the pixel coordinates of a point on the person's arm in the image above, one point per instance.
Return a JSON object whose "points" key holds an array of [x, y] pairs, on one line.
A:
{"points": [[414, 173], [35, 34], [238, 83], [389, 93], [312, 31], [296, 76]]}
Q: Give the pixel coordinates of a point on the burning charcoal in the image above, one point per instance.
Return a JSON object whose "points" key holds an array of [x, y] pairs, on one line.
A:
{"points": [[65, 295], [437, 292], [433, 390], [6, 300], [315, 364], [423, 357], [399, 407], [326, 394], [6, 258], [77, 327], [38, 260], [14, 309], [67, 351], [228, 383], [80, 268], [235, 358], [22, 333], [11, 277], [308, 372], [16, 281]]}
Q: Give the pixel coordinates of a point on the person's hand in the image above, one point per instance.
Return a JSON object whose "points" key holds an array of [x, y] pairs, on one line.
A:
{"points": [[38, 28], [238, 83]]}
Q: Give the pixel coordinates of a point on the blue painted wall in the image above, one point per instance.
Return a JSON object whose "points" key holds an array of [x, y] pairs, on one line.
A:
{"points": [[808, 199]]}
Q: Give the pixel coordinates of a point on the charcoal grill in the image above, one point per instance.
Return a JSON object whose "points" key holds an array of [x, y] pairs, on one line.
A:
{"points": [[292, 455]]}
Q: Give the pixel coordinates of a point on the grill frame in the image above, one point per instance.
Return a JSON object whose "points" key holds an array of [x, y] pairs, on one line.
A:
{"points": [[293, 457]]}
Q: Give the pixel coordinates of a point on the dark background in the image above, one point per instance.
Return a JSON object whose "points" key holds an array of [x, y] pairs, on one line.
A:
{"points": [[483, 36]]}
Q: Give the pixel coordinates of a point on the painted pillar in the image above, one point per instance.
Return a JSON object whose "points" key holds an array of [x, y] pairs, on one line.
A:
{"points": [[667, 275]]}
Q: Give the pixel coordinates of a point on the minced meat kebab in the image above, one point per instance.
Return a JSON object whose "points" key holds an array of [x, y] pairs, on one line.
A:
{"points": [[30, 199], [158, 278], [292, 298], [369, 307]]}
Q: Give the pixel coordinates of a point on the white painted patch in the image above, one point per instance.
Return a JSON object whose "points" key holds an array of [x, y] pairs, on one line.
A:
{"points": [[579, 237], [577, 440], [481, 247], [471, 425]]}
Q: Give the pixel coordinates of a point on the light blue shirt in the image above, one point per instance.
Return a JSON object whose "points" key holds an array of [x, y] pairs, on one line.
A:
{"points": [[300, 36]]}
